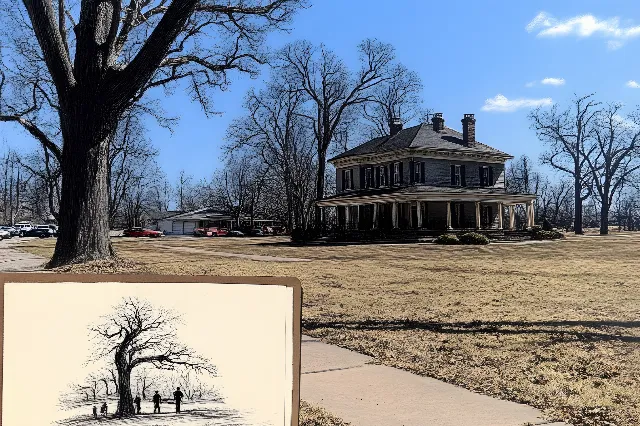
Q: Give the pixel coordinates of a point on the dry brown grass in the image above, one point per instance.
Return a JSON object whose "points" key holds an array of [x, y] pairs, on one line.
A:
{"points": [[315, 416], [552, 324]]}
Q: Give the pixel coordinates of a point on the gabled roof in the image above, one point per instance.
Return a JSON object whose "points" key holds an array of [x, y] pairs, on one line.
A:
{"points": [[421, 136]]}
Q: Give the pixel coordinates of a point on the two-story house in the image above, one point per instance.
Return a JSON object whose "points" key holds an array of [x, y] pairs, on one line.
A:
{"points": [[425, 177]]}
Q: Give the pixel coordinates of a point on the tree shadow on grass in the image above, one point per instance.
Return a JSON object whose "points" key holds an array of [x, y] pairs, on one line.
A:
{"points": [[222, 416], [558, 330]]}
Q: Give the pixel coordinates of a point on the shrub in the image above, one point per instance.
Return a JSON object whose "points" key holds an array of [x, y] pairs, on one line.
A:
{"points": [[538, 234], [474, 238], [299, 235], [447, 239]]}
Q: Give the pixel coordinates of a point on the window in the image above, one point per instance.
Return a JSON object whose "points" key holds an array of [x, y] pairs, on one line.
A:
{"points": [[383, 176], [417, 171], [484, 176], [396, 173], [368, 177], [457, 176], [348, 179]]}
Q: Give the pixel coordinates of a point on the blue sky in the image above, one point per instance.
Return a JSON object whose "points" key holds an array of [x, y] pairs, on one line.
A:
{"points": [[467, 54]]}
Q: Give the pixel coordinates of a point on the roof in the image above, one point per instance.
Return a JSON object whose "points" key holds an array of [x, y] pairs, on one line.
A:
{"points": [[425, 189], [417, 137], [201, 214]]}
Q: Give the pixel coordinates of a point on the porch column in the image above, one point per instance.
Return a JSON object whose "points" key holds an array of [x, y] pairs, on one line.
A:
{"points": [[448, 214], [530, 213], [500, 214], [347, 217], [478, 223], [375, 215], [419, 211], [394, 215], [512, 218]]}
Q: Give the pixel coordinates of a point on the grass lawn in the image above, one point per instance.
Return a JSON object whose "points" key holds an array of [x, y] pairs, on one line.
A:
{"points": [[552, 324]]}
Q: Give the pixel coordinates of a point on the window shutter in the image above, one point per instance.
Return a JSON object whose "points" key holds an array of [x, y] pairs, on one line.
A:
{"points": [[377, 177], [401, 172], [481, 174], [362, 172], [491, 182], [386, 176], [411, 172], [463, 179], [344, 179], [423, 178], [351, 176], [453, 175], [391, 168]]}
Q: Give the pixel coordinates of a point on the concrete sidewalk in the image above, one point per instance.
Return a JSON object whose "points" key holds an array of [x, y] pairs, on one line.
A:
{"points": [[12, 260], [342, 382]]}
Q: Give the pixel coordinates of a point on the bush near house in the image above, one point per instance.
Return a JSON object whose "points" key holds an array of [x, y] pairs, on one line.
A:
{"points": [[447, 239], [473, 238], [537, 233]]}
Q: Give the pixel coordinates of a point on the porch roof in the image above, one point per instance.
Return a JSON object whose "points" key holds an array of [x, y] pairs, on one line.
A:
{"points": [[426, 193]]}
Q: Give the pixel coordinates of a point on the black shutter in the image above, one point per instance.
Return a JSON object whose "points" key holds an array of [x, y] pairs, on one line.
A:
{"points": [[362, 172], [351, 176], [482, 182], [386, 176], [453, 175], [463, 179], [462, 221], [423, 178], [377, 177], [491, 182], [411, 172], [392, 168], [344, 179], [401, 172]]}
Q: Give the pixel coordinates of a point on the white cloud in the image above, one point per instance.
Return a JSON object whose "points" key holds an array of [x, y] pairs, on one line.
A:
{"points": [[633, 84], [583, 26], [500, 103], [530, 84], [553, 81]]}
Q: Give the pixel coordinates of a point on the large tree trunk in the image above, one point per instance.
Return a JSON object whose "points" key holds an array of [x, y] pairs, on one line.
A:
{"points": [[84, 208], [125, 400], [604, 218], [577, 220]]}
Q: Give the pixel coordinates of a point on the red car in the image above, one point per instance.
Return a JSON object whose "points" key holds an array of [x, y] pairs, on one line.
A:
{"points": [[140, 232], [210, 232]]}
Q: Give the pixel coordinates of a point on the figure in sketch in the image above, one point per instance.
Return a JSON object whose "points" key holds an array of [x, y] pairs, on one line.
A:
{"points": [[95, 412], [156, 402], [137, 401], [177, 396], [103, 409]]}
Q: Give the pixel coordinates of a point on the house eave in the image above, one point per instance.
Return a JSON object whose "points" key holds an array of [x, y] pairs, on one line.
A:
{"points": [[423, 152]]}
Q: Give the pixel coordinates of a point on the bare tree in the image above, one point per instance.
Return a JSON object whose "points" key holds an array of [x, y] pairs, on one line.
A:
{"points": [[398, 97], [332, 89], [612, 157], [145, 379], [566, 133], [137, 335], [97, 60]]}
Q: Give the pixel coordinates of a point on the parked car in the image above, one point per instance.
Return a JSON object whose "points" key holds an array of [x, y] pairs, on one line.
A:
{"points": [[235, 233], [13, 231], [37, 232], [23, 227], [256, 232], [47, 228], [141, 232], [210, 232], [4, 235]]}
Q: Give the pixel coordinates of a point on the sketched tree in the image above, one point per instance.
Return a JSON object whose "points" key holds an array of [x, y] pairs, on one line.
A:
{"points": [[137, 334]]}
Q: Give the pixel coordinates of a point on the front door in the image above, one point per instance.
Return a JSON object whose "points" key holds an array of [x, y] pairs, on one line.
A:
{"points": [[457, 216]]}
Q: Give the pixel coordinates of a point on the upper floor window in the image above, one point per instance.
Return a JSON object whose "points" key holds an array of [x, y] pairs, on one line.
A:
{"points": [[417, 171], [396, 173], [383, 176], [486, 176], [347, 182], [368, 177], [458, 175]]}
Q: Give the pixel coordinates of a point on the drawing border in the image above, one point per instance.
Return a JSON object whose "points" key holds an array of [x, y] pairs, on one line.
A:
{"points": [[44, 278]]}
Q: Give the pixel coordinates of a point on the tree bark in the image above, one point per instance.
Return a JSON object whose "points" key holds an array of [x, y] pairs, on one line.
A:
{"points": [[604, 218], [84, 215], [125, 400], [577, 221], [322, 167]]}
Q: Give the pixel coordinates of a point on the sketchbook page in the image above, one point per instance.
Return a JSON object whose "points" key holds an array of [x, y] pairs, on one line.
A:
{"points": [[233, 348]]}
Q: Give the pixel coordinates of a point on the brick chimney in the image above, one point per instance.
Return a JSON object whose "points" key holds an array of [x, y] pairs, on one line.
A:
{"points": [[438, 122], [469, 130], [395, 125]]}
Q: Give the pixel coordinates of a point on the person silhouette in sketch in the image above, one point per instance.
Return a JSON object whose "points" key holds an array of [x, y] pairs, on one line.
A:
{"points": [[156, 402], [177, 395], [137, 402], [95, 412], [103, 409]]}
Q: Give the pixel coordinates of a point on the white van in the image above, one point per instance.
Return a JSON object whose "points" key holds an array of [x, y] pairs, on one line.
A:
{"points": [[23, 227]]}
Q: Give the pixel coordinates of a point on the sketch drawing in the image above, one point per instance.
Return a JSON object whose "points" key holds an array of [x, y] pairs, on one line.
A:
{"points": [[141, 357]]}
